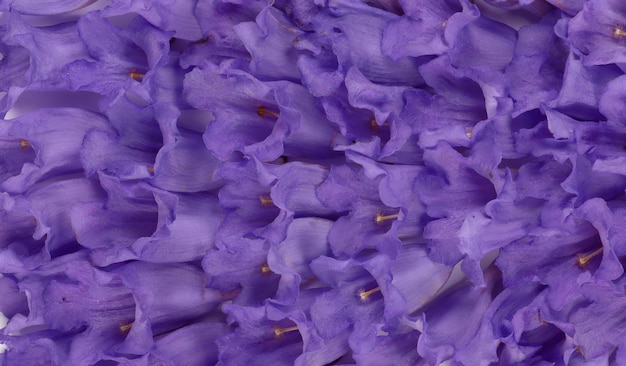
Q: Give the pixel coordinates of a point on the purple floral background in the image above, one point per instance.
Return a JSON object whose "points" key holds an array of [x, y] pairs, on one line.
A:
{"points": [[313, 182]]}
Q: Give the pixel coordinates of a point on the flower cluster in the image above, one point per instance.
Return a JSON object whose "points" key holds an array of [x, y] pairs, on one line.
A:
{"points": [[313, 182]]}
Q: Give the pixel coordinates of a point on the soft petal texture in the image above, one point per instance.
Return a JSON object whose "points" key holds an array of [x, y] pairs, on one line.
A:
{"points": [[46, 7], [56, 136]]}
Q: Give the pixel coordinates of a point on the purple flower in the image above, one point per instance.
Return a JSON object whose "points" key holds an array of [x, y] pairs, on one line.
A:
{"points": [[308, 182]]}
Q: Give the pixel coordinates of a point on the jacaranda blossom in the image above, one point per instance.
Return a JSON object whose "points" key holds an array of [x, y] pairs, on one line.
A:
{"points": [[312, 182]]}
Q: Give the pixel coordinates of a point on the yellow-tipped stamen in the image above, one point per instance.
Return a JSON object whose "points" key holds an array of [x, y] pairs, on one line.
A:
{"points": [[374, 124], [24, 144], [265, 200], [584, 259], [468, 132], [380, 218], [265, 268], [364, 295], [445, 23], [262, 112], [126, 328], [150, 168], [619, 32], [280, 331], [136, 75]]}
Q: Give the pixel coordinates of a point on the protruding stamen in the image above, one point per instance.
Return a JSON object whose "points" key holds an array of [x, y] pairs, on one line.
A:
{"points": [[265, 200], [468, 132], [280, 331], [265, 268], [584, 259], [126, 327], [24, 144], [445, 23], [380, 218], [365, 294], [619, 32], [262, 112], [136, 75], [150, 168], [374, 124]]}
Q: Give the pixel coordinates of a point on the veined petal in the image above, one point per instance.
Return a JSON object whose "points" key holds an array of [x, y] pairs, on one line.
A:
{"points": [[193, 345], [269, 41], [56, 135], [180, 19], [187, 228], [47, 7], [167, 295]]}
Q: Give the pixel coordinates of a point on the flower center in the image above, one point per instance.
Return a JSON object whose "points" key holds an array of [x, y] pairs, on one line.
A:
{"points": [[618, 32], [265, 268], [136, 75], [126, 327], [265, 200], [364, 295], [262, 112], [584, 259], [24, 144], [280, 331], [380, 217]]}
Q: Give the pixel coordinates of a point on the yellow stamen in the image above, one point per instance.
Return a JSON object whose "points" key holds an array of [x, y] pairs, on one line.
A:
{"points": [[262, 112], [265, 200], [24, 143], [468, 132], [126, 328], [280, 331], [618, 32], [380, 218], [365, 294], [231, 294], [374, 124], [136, 75], [584, 259], [445, 23], [150, 168], [265, 268]]}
